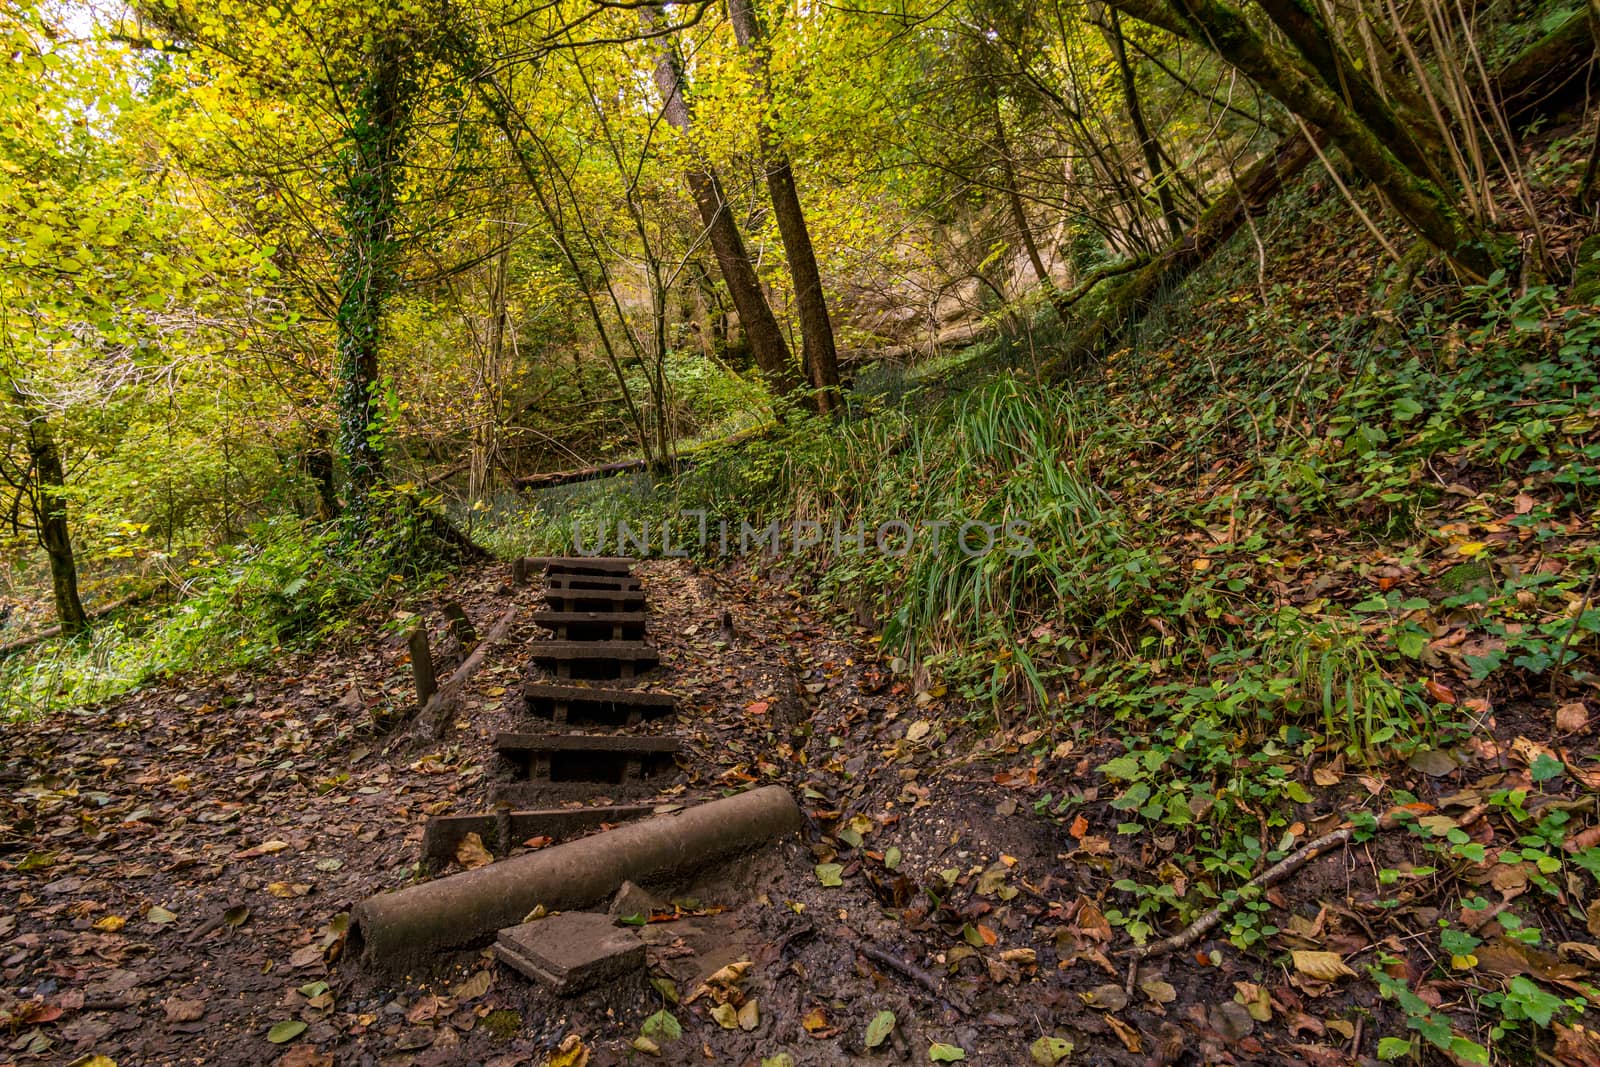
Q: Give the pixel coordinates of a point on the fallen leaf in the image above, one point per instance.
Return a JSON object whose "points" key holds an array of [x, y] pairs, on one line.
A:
{"points": [[939, 1052], [749, 1015], [1572, 718], [879, 1029], [286, 1031], [829, 874], [474, 987], [1324, 966], [726, 1015], [183, 1011], [471, 854], [1049, 1051]]}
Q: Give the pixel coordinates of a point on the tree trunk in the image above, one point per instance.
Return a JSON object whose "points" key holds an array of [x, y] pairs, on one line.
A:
{"points": [[1147, 142], [1135, 292], [46, 488], [1019, 214], [816, 330], [1306, 30], [367, 198], [755, 314], [1425, 207]]}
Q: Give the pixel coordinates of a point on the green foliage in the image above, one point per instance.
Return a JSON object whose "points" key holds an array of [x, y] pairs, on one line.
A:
{"points": [[287, 587]]}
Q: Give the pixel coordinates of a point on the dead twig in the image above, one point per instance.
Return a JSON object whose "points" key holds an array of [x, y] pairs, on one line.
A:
{"points": [[1566, 643], [906, 970], [1270, 877]]}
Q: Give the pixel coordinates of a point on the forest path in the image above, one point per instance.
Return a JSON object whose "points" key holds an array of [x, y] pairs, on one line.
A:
{"points": [[177, 867]]}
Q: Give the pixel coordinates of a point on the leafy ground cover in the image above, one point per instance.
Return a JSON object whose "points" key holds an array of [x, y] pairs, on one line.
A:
{"points": [[1303, 558]]}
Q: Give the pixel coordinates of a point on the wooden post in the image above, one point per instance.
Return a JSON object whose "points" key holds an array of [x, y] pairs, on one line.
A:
{"points": [[519, 571], [461, 626], [422, 666]]}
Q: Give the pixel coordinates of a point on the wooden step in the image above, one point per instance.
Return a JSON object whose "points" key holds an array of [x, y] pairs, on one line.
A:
{"points": [[610, 582], [610, 600], [592, 625], [587, 759], [501, 831], [599, 707], [595, 659], [581, 564]]}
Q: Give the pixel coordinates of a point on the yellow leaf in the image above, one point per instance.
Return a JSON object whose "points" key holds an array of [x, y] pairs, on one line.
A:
{"points": [[572, 1053], [1471, 548], [727, 1016], [110, 924]]}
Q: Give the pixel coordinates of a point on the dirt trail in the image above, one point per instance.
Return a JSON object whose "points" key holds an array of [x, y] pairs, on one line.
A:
{"points": [[175, 868]]}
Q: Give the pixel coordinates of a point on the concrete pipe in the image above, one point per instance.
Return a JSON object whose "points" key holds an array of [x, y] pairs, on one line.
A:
{"points": [[391, 930]]}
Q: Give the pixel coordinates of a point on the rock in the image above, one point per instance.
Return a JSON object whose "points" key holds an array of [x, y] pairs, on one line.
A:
{"points": [[571, 952], [632, 900]]}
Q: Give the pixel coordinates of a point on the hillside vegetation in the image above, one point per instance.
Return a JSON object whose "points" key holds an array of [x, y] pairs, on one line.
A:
{"points": [[1259, 341]]}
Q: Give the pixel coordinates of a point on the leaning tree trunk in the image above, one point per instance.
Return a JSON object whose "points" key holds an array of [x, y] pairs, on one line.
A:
{"points": [[816, 330], [1223, 29], [1134, 292], [47, 484], [755, 314], [367, 210]]}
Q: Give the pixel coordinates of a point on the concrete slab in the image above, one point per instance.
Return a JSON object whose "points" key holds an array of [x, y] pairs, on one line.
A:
{"points": [[571, 952]]}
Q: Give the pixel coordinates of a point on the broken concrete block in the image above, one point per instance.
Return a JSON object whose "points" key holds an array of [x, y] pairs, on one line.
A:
{"points": [[631, 901], [571, 952]]}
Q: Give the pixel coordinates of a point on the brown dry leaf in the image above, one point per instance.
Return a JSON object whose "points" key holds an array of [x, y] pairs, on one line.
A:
{"points": [[1325, 776], [1577, 1046], [305, 1056], [749, 1015], [814, 1021], [183, 1011], [1593, 915], [1528, 751], [1125, 1033], [1158, 990], [287, 890], [1571, 718], [1324, 966], [1255, 1000], [471, 854], [424, 1010], [474, 987], [1108, 997], [1091, 921]]}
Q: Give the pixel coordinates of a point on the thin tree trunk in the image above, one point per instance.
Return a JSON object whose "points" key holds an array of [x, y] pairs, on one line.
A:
{"points": [[816, 330], [368, 196], [755, 314], [47, 485], [1112, 29]]}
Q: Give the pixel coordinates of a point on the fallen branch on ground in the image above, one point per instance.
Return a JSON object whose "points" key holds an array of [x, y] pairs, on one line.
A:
{"points": [[22, 644], [1270, 877], [436, 713], [906, 970]]}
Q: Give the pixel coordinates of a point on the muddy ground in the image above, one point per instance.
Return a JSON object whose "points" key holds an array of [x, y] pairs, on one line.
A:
{"points": [[176, 867]]}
